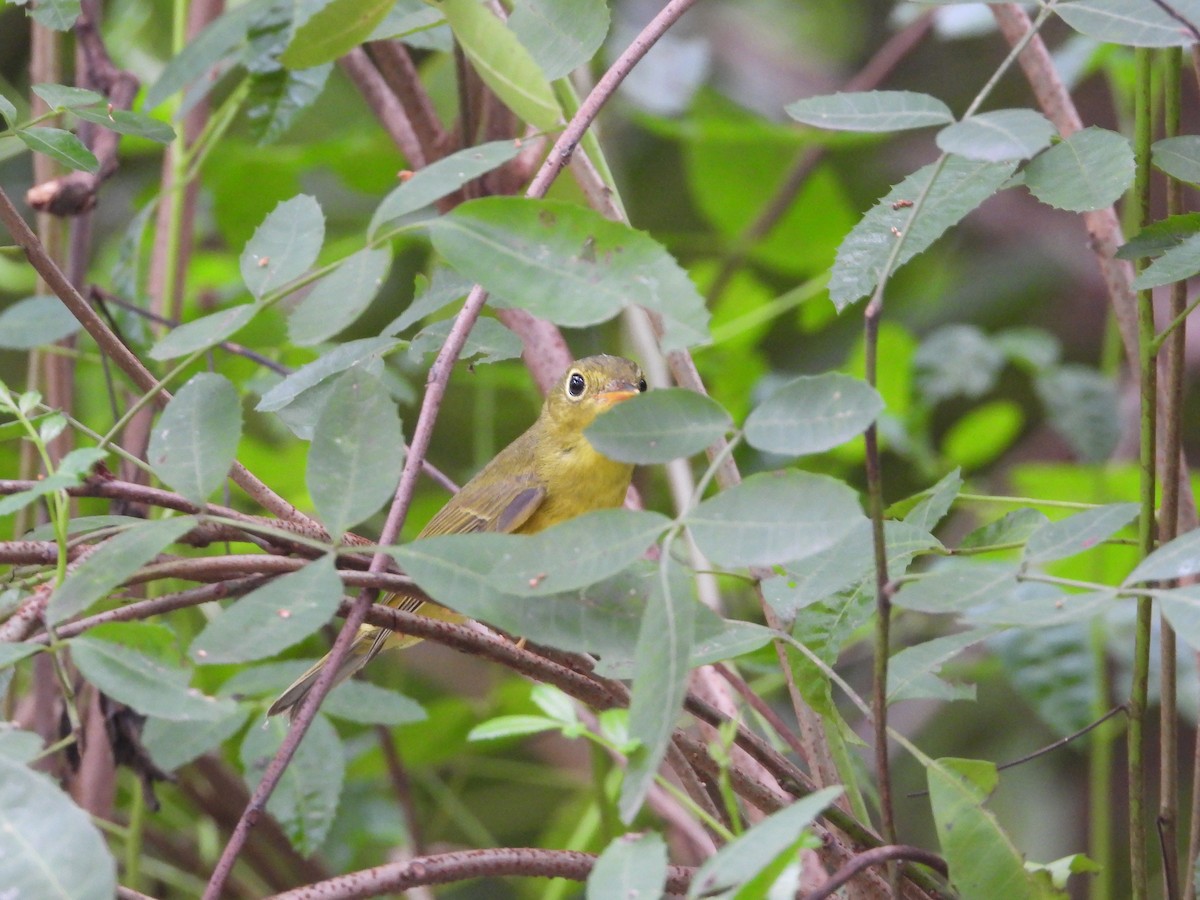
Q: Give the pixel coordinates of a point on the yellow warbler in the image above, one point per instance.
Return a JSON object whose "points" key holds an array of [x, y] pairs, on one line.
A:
{"points": [[546, 476]]}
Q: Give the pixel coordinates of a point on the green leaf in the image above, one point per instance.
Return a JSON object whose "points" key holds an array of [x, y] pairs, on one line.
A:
{"points": [[813, 413], [661, 666], [61, 96], [57, 15], [849, 561], [1012, 528], [61, 146], [469, 572], [512, 726], [276, 99], [1054, 670], [1089, 170], [1033, 606], [14, 653], [1122, 22], [958, 587], [173, 745], [913, 672], [282, 612], [935, 502], [1161, 235], [1060, 870], [443, 288], [306, 798], [202, 333], [735, 638], [773, 517], [340, 297], [368, 704], [336, 361], [560, 35], [997, 136], [1082, 405], [568, 264], [35, 321], [1028, 347], [8, 111], [959, 187], [195, 440], [632, 865], [982, 859], [1074, 534], [489, 340], [48, 844], [338, 27], [18, 745], [983, 433], [357, 452], [144, 682], [72, 470], [1177, 264], [284, 245], [203, 54], [659, 426], [741, 859], [504, 65], [440, 178], [1181, 606], [123, 121], [112, 563], [957, 360], [1179, 558], [1179, 157], [877, 111]]}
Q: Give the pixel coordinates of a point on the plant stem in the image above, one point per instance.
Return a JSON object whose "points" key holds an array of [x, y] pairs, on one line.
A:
{"points": [[1141, 658], [1168, 810]]}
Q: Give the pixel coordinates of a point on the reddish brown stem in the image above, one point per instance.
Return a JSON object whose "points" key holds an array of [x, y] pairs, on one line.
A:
{"points": [[444, 868]]}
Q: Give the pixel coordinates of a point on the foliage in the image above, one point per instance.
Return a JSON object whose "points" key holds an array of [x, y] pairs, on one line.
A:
{"points": [[207, 434]]}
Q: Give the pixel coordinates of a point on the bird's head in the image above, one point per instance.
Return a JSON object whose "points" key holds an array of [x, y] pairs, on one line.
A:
{"points": [[591, 386]]}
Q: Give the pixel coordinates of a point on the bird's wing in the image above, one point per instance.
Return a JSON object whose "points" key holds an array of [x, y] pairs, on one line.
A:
{"points": [[503, 505]]}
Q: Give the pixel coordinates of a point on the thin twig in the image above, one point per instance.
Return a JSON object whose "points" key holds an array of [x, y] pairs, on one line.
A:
{"points": [[445, 868], [877, 856], [402, 787]]}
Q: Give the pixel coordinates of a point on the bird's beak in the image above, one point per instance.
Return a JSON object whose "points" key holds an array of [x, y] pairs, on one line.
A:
{"points": [[616, 394]]}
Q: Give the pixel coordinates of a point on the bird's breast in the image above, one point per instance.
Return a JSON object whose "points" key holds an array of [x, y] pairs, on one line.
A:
{"points": [[580, 481]]}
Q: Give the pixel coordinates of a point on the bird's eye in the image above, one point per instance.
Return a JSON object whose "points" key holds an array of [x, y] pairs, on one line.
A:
{"points": [[575, 386], [642, 385]]}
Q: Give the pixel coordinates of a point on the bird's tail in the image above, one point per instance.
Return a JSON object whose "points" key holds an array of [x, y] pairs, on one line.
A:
{"points": [[367, 644], [365, 647]]}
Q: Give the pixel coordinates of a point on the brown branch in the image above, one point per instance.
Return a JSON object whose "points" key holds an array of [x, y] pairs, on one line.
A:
{"points": [[876, 857], [214, 786], [444, 868], [402, 787], [401, 75], [75, 192], [384, 104], [761, 707]]}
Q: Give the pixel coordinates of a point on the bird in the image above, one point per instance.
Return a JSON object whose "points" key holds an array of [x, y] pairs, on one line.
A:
{"points": [[550, 474]]}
